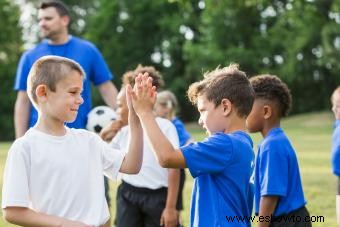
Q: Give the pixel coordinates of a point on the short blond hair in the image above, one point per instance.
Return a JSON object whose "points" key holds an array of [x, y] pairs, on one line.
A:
{"points": [[49, 70]]}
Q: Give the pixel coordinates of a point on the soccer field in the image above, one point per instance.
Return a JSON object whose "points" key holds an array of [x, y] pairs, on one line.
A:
{"points": [[310, 135]]}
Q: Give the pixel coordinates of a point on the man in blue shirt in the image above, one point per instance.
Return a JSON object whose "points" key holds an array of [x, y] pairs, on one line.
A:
{"points": [[54, 19], [222, 163]]}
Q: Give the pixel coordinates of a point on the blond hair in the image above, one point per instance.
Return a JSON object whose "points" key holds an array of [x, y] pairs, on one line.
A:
{"points": [[49, 70]]}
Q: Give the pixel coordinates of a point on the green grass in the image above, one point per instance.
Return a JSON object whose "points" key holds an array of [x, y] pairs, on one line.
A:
{"points": [[310, 135]]}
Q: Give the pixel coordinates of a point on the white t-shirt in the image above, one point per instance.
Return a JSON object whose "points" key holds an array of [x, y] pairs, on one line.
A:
{"points": [[151, 175], [61, 175]]}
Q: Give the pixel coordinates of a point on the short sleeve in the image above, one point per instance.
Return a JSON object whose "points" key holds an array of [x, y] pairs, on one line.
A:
{"points": [[273, 168], [112, 158], [15, 190], [210, 156], [100, 72], [22, 73]]}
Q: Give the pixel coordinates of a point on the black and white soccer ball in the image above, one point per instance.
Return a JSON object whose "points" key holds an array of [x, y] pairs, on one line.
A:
{"points": [[99, 117]]}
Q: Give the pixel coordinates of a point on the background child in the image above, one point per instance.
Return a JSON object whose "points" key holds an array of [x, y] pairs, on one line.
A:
{"points": [[335, 99], [166, 107], [220, 164], [278, 187], [148, 198], [54, 174]]}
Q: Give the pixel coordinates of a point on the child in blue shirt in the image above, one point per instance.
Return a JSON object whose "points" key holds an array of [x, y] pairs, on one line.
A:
{"points": [[221, 164], [335, 99], [278, 187]]}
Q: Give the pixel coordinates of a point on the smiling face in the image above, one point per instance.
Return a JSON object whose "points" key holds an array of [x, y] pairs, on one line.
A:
{"points": [[62, 104], [51, 23], [212, 118]]}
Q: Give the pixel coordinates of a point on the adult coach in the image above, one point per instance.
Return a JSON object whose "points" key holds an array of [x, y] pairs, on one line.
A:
{"points": [[53, 17]]}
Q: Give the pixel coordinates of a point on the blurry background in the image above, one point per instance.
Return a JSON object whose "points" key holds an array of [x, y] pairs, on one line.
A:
{"points": [[297, 40]]}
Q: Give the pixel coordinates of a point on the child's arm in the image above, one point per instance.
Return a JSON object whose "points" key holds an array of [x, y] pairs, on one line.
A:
{"points": [[133, 159], [143, 98], [110, 130], [267, 208], [26, 217], [170, 214]]}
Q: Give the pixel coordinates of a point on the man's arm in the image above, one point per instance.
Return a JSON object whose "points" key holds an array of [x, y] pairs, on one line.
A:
{"points": [[170, 214], [21, 113], [23, 216], [267, 208], [134, 157], [109, 93]]}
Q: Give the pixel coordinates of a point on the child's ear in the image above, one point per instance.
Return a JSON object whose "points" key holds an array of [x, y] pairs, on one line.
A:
{"points": [[226, 105], [41, 91], [267, 111]]}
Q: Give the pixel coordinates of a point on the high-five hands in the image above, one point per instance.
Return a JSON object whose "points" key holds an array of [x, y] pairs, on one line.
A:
{"points": [[143, 94]]}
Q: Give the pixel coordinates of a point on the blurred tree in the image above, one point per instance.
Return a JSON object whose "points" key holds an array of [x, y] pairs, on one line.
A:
{"points": [[10, 49]]}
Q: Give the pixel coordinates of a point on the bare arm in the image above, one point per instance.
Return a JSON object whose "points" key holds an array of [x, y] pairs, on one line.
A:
{"points": [[110, 130], [109, 93], [170, 214], [26, 217], [134, 157], [143, 98], [21, 113], [267, 208]]}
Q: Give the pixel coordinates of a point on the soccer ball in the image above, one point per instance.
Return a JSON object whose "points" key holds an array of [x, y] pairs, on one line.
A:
{"points": [[99, 117]]}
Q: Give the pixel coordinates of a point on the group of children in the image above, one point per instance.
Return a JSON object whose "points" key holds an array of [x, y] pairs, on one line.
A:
{"points": [[53, 174]]}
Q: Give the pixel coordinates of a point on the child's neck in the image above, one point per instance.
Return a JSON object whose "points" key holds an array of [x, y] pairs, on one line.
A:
{"points": [[235, 124], [50, 127], [269, 126]]}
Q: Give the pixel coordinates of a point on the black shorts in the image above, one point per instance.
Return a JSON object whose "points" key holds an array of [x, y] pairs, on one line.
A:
{"points": [[179, 205], [107, 190], [296, 218], [338, 187]]}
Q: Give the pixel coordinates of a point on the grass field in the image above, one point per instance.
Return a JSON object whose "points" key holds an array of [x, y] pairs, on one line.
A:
{"points": [[311, 137]]}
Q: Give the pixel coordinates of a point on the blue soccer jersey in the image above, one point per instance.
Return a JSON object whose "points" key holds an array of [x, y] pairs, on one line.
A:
{"points": [[79, 50], [221, 166], [277, 173], [336, 148], [183, 134]]}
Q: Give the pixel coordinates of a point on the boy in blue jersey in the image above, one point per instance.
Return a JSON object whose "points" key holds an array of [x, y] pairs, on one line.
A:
{"points": [[278, 188], [335, 99], [221, 164]]}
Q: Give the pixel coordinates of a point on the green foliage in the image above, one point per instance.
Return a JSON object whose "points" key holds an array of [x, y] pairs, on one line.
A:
{"points": [[10, 49], [297, 40]]}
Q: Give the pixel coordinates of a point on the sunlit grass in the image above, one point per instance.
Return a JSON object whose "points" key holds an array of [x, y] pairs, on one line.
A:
{"points": [[310, 135]]}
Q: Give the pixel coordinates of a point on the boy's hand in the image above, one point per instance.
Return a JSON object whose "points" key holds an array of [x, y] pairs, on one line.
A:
{"points": [[169, 218], [143, 94]]}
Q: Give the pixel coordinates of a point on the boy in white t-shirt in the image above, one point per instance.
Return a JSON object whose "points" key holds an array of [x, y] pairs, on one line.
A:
{"points": [[53, 174]]}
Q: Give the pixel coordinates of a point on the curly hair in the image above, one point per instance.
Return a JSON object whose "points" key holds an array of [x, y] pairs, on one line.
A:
{"points": [[157, 80], [271, 87], [225, 83]]}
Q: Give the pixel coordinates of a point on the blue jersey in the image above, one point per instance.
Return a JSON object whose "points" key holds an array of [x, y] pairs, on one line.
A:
{"points": [[83, 52], [183, 134], [277, 173], [336, 148], [221, 166]]}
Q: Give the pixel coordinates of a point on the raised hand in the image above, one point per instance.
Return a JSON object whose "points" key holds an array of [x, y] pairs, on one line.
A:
{"points": [[143, 94]]}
